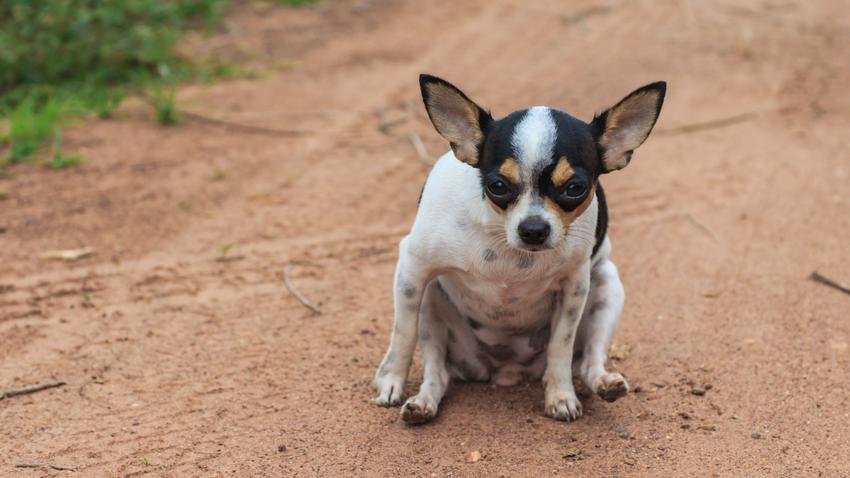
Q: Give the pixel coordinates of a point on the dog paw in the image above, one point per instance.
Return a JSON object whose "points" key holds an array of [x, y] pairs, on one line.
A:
{"points": [[563, 406], [390, 388], [418, 410], [611, 386]]}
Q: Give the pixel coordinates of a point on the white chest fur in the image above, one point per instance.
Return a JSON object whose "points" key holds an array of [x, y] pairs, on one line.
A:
{"points": [[507, 289]]}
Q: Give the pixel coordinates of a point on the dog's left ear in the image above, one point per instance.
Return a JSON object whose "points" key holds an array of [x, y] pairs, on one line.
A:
{"points": [[619, 130], [457, 118]]}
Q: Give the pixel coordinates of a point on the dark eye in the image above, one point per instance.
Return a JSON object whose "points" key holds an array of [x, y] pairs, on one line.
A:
{"points": [[498, 187], [575, 190]]}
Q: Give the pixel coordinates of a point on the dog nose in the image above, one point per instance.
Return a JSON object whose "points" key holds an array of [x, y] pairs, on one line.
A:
{"points": [[534, 231]]}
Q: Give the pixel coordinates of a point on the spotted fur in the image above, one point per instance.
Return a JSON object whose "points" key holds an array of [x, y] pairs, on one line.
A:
{"points": [[505, 273]]}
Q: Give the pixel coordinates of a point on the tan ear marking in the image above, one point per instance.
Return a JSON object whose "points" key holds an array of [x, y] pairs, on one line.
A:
{"points": [[562, 173], [510, 170], [627, 126], [456, 119]]}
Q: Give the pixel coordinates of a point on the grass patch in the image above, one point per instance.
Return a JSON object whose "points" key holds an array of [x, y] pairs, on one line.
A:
{"points": [[61, 59], [165, 105], [59, 160], [66, 59], [294, 3]]}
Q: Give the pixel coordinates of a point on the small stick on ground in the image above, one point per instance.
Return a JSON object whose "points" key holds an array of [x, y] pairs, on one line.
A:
{"points": [[241, 127], [384, 124], [702, 227], [294, 291], [30, 389], [46, 465], [419, 146], [818, 277], [712, 124]]}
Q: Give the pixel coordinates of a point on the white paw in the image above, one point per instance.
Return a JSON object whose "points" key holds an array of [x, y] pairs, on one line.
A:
{"points": [[418, 409], [390, 388], [611, 386], [562, 405]]}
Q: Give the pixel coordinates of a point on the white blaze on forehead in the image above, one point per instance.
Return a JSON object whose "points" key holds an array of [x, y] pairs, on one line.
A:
{"points": [[534, 140]]}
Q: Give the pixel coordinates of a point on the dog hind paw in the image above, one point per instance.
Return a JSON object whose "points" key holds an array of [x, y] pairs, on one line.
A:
{"points": [[611, 386], [417, 411]]}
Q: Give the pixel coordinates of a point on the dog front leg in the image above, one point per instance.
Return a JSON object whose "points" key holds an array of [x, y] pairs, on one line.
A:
{"points": [[411, 277], [561, 402]]}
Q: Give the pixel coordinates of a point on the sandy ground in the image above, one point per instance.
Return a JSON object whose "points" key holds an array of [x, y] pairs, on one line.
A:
{"points": [[184, 355]]}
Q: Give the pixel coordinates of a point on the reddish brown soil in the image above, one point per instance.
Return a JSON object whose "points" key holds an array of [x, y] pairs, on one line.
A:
{"points": [[179, 364]]}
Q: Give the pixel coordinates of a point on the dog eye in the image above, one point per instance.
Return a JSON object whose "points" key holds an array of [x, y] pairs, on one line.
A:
{"points": [[575, 190], [498, 187]]}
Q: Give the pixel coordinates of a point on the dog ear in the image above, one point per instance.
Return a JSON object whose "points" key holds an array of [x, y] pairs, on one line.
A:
{"points": [[619, 130], [457, 118]]}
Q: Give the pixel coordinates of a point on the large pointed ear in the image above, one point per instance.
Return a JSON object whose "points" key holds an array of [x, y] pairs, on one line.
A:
{"points": [[457, 118], [622, 128]]}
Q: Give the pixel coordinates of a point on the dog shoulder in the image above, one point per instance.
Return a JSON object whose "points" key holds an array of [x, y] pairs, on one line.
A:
{"points": [[442, 218]]}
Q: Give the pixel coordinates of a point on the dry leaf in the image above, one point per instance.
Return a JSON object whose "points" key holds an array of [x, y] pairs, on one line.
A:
{"points": [[574, 454], [712, 294], [68, 254]]}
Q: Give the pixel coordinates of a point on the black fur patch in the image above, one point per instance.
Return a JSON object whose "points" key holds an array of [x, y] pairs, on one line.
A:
{"points": [[408, 289], [601, 218], [597, 306], [499, 352]]}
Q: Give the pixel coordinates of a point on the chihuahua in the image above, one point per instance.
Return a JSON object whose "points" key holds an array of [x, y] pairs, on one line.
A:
{"points": [[505, 273]]}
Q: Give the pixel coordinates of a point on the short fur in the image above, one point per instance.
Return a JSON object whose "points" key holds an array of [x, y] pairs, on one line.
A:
{"points": [[505, 273]]}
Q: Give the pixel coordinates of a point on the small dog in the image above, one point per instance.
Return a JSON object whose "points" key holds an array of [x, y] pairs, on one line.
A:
{"points": [[505, 272]]}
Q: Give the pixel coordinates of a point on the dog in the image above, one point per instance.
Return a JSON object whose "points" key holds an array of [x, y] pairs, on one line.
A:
{"points": [[505, 273]]}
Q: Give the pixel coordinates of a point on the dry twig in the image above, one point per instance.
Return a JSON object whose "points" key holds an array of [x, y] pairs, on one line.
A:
{"points": [[30, 389], [68, 254], [245, 128], [46, 465], [702, 227], [818, 277], [712, 124], [294, 291], [419, 146]]}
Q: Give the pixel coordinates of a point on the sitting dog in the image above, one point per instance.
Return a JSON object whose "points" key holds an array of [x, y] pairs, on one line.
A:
{"points": [[505, 272]]}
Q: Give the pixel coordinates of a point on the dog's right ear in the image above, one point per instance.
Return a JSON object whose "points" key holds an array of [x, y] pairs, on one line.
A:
{"points": [[457, 118]]}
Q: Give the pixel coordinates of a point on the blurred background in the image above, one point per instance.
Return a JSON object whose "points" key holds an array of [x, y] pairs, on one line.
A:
{"points": [[163, 162]]}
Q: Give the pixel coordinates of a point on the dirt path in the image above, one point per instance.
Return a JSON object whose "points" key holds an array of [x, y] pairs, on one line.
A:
{"points": [[180, 364]]}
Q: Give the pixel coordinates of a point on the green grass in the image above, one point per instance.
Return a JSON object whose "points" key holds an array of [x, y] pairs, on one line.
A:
{"points": [[67, 59], [61, 59], [294, 3], [164, 102]]}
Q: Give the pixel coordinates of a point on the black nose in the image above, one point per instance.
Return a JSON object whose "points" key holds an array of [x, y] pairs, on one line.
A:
{"points": [[534, 231]]}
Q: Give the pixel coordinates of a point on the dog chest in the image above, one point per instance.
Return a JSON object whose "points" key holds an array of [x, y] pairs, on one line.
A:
{"points": [[501, 303]]}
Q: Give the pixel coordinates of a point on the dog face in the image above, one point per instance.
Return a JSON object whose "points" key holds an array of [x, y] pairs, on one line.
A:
{"points": [[539, 167]]}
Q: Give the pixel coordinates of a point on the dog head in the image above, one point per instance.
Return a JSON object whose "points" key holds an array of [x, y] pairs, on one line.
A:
{"points": [[539, 166]]}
